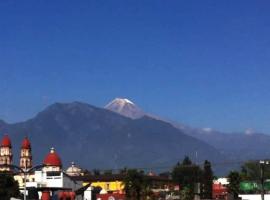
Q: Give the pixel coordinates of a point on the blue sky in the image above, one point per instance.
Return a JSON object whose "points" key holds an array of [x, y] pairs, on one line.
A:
{"points": [[203, 63]]}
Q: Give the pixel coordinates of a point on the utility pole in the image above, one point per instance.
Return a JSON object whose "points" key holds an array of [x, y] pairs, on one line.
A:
{"points": [[262, 166], [24, 183], [24, 171]]}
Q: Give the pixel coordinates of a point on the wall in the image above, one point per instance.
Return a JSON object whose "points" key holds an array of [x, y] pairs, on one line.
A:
{"points": [[109, 186], [254, 196]]}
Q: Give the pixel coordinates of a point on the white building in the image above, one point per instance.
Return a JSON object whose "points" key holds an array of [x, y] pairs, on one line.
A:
{"points": [[254, 196], [50, 177], [5, 154]]}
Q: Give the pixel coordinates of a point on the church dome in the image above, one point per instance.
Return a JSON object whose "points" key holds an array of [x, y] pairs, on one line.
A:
{"points": [[6, 142], [74, 170], [26, 143], [52, 159]]}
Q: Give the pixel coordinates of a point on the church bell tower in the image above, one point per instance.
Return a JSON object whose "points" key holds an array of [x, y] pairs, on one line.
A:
{"points": [[26, 154], [5, 154]]}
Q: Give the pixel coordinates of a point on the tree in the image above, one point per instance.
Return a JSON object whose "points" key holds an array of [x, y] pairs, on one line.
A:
{"points": [[136, 184], [186, 174], [96, 172], [8, 187], [251, 171], [123, 171], [95, 191], [165, 174], [207, 180], [186, 161], [32, 193], [108, 172], [234, 183], [87, 172], [186, 194]]}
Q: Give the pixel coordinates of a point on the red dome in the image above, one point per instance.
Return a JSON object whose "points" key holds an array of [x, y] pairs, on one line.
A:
{"points": [[52, 159], [6, 142], [26, 143]]}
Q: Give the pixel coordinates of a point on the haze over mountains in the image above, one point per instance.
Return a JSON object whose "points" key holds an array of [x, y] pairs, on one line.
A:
{"points": [[236, 146], [123, 135]]}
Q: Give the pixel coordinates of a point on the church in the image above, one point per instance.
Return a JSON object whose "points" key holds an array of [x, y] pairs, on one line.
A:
{"points": [[6, 155], [49, 178]]}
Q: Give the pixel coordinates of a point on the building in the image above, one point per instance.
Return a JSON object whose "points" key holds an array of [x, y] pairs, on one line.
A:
{"points": [[112, 183], [26, 154], [48, 179], [74, 170], [5, 154], [254, 196], [25, 164], [110, 197], [111, 186], [52, 178], [219, 188]]}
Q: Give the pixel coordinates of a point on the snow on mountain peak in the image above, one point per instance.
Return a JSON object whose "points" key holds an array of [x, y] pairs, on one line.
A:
{"points": [[207, 129], [125, 107], [122, 101]]}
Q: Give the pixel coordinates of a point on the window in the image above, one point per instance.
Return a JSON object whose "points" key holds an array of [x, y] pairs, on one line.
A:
{"points": [[53, 173]]}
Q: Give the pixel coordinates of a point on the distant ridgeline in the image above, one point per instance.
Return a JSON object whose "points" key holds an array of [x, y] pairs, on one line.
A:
{"points": [[98, 138]]}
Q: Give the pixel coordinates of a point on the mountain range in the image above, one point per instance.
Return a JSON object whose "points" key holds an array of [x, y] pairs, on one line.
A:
{"points": [[99, 138], [123, 135], [234, 147]]}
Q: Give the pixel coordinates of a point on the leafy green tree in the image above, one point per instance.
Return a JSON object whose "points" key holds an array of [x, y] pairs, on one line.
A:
{"points": [[251, 171], [207, 180], [234, 183], [136, 184], [186, 194], [186, 174], [8, 187]]}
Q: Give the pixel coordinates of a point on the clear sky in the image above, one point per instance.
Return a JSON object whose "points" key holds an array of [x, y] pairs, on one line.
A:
{"points": [[203, 63]]}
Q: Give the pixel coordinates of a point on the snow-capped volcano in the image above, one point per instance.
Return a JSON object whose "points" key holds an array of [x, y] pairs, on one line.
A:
{"points": [[125, 107]]}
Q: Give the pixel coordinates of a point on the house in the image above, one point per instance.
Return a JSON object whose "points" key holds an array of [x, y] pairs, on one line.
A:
{"points": [[111, 186], [219, 188]]}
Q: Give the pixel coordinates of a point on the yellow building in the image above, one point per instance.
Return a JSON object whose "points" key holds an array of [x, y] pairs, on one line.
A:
{"points": [[108, 183], [113, 183], [113, 186]]}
